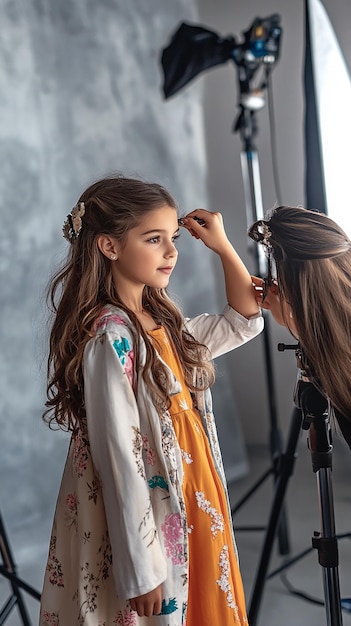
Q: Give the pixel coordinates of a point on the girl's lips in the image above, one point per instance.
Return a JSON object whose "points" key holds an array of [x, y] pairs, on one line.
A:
{"points": [[166, 270]]}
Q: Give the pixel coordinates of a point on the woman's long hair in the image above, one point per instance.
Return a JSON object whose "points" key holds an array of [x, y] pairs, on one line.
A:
{"points": [[313, 262], [83, 287]]}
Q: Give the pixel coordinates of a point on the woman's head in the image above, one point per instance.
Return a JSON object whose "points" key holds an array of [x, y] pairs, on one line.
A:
{"points": [[312, 255]]}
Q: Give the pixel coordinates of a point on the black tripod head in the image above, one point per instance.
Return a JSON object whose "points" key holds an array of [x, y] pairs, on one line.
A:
{"points": [[314, 406], [310, 398]]}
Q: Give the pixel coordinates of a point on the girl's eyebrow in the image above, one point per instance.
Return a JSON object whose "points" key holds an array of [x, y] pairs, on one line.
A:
{"points": [[158, 230]]}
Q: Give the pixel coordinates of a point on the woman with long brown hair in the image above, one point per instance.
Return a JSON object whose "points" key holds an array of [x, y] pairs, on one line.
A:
{"points": [[311, 295]]}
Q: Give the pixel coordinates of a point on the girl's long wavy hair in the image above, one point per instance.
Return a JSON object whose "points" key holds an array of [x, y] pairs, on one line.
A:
{"points": [[80, 289], [312, 255]]}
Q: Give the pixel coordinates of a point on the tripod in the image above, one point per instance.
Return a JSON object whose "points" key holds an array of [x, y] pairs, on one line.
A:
{"points": [[8, 569], [309, 414], [314, 407]]}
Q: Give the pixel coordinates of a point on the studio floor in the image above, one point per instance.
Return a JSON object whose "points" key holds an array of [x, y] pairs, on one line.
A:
{"points": [[276, 605]]}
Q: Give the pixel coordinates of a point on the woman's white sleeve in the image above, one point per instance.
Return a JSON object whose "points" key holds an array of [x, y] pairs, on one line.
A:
{"points": [[116, 446]]}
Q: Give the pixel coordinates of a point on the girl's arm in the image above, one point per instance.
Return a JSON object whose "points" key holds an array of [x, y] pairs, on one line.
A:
{"points": [[115, 437], [225, 331], [239, 289]]}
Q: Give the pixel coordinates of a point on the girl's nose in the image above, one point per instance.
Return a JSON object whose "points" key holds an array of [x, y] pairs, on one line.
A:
{"points": [[171, 250]]}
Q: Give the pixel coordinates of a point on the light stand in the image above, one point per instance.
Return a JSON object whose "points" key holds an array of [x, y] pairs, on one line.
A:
{"points": [[8, 569], [191, 50], [250, 102]]}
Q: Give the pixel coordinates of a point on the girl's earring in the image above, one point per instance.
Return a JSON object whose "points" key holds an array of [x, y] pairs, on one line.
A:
{"points": [[113, 257]]}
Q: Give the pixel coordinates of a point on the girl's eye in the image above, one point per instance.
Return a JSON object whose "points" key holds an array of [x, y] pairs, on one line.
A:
{"points": [[155, 239]]}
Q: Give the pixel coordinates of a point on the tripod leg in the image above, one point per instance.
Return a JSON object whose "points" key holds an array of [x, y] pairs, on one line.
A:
{"points": [[285, 471], [326, 541], [328, 556], [16, 597]]}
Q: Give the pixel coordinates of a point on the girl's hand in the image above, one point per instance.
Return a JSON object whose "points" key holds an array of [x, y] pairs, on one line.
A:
{"points": [[269, 300], [148, 604], [208, 227]]}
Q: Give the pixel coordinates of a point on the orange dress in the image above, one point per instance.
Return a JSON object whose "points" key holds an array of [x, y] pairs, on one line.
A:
{"points": [[216, 596]]}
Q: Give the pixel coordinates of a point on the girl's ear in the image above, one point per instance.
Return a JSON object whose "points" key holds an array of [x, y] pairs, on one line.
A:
{"points": [[108, 246]]}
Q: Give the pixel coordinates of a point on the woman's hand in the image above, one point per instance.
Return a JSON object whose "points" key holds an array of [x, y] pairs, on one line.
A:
{"points": [[148, 604], [208, 227]]}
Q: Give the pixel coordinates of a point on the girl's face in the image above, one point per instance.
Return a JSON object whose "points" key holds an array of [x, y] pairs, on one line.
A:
{"points": [[148, 255]]}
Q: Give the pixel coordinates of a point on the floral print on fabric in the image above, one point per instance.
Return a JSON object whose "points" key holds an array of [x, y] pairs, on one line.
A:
{"points": [[150, 535], [187, 457], [126, 356], [92, 576], [125, 618], [173, 534], [54, 567], [71, 512], [137, 451], [168, 607], [169, 445], [150, 452], [106, 317], [158, 481], [223, 581], [50, 618], [217, 518], [81, 453]]}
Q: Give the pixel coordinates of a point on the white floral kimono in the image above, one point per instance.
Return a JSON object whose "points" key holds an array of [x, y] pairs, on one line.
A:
{"points": [[120, 526]]}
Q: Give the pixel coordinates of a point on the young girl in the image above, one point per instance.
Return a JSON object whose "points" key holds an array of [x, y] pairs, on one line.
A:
{"points": [[142, 533], [312, 296]]}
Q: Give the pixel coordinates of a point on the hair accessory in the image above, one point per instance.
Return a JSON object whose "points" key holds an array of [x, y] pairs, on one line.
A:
{"points": [[267, 233], [73, 223], [261, 233]]}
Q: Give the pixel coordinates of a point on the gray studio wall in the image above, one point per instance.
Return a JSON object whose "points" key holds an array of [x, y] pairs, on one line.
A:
{"points": [[225, 178], [81, 97]]}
